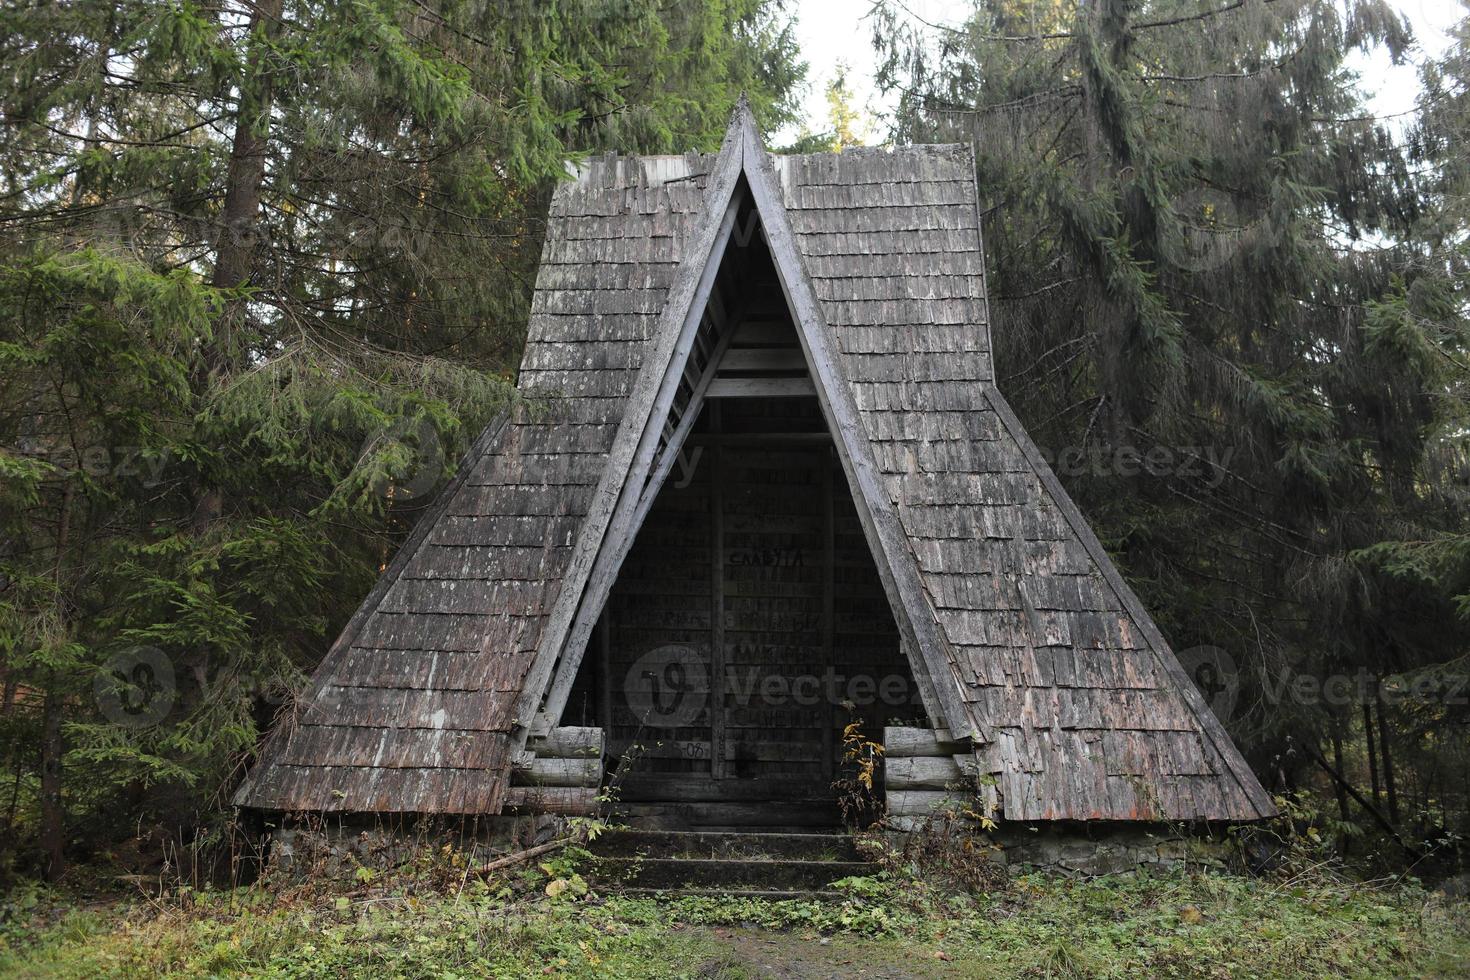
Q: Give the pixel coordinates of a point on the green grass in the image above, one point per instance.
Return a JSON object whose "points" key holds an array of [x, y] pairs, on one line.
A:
{"points": [[1180, 925]]}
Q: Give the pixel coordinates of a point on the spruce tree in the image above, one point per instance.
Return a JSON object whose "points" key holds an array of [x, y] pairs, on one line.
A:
{"points": [[265, 271], [1211, 305]]}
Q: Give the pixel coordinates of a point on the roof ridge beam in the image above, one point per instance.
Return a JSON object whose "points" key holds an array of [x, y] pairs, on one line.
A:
{"points": [[887, 541], [636, 439]]}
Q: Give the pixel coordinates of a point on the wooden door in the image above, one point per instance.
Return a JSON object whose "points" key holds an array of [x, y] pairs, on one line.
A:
{"points": [[774, 537], [749, 592], [655, 640], [719, 633]]}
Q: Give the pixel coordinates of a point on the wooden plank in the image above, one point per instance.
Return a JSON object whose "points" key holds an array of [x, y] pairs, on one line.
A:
{"points": [[557, 659], [559, 772], [664, 748], [923, 802], [604, 575], [761, 439], [726, 815], [763, 359], [779, 636], [886, 537], [572, 801], [938, 772], [717, 607], [755, 745], [764, 333], [701, 789], [760, 388], [715, 307], [604, 669], [569, 743], [909, 742], [755, 716], [675, 444], [829, 561], [661, 604]]}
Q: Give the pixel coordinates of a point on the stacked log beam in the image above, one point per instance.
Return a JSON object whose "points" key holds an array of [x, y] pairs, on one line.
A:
{"points": [[925, 769], [561, 774]]}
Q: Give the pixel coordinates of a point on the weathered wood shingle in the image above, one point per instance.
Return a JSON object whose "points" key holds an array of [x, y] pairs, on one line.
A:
{"points": [[1083, 716], [412, 710]]}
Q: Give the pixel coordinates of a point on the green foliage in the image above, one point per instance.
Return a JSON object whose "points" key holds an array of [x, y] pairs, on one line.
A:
{"points": [[466, 938], [266, 274], [871, 908], [848, 125], [1122, 925], [1200, 241]]}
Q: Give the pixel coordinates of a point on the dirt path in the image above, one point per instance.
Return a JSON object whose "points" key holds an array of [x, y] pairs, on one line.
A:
{"points": [[766, 953]]}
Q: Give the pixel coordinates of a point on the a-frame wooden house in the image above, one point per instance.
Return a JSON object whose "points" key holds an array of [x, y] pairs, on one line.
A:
{"points": [[769, 486]]}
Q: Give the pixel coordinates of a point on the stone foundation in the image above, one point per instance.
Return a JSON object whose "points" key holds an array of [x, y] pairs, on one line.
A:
{"points": [[337, 847], [1091, 849], [1084, 849]]}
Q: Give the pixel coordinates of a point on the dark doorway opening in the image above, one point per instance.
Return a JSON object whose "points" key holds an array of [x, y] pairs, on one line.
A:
{"points": [[748, 626]]}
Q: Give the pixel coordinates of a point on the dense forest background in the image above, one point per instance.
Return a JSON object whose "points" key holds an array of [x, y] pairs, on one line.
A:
{"points": [[265, 268]]}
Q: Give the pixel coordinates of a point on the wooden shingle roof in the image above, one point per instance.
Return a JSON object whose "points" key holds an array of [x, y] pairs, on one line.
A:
{"points": [[1029, 638]]}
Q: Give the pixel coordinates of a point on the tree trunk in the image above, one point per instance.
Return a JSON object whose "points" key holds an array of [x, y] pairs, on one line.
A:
{"points": [[246, 176], [1342, 797], [1371, 810], [1387, 757], [1372, 753], [53, 818], [239, 218], [14, 763], [14, 808]]}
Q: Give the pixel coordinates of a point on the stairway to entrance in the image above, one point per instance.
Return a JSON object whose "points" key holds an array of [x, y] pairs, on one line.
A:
{"points": [[779, 865], [660, 802]]}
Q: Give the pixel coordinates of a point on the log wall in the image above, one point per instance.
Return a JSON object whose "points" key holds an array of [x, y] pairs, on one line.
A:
{"points": [[926, 769], [561, 773]]}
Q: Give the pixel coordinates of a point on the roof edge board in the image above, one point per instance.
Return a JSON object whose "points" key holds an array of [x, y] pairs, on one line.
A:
{"points": [[980, 250], [646, 476], [719, 196], [939, 686], [1209, 726], [915, 616], [283, 729]]}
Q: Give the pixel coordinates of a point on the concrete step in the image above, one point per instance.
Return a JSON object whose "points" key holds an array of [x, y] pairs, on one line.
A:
{"points": [[726, 844], [725, 875], [714, 815]]}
